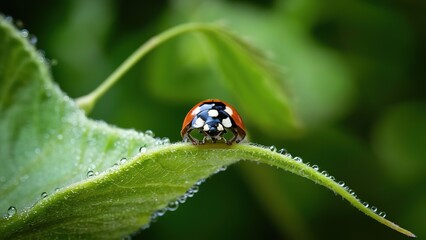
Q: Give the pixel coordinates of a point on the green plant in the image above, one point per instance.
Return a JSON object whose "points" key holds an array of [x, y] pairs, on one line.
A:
{"points": [[109, 182]]}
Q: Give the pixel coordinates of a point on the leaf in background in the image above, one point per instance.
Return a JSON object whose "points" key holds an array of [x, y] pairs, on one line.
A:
{"points": [[251, 77], [254, 81], [317, 84], [48, 143]]}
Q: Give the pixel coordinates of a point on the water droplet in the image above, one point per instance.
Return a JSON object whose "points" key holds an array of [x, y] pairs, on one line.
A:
{"points": [[123, 160], [325, 173], [195, 189], [373, 208], [90, 173], [158, 142], [44, 195], [24, 33], [282, 151], [161, 212], [8, 19], [146, 226], [273, 148], [182, 199], [315, 167], [142, 149], [341, 183], [57, 189], [149, 133], [332, 178], [41, 56], [221, 169], [173, 205], [11, 211], [347, 188], [365, 204], [297, 159], [382, 214], [199, 182], [33, 40], [166, 140]]}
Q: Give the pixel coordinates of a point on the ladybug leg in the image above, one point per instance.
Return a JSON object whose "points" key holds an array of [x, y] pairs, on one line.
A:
{"points": [[235, 133], [204, 140], [190, 137], [221, 137]]}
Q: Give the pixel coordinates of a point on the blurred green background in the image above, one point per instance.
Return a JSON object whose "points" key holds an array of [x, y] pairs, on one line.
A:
{"points": [[355, 72]]}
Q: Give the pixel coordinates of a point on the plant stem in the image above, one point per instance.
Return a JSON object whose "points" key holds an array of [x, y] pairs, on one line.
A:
{"points": [[88, 101]]}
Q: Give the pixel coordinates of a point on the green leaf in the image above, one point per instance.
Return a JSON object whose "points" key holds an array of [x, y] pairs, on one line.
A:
{"points": [[47, 143], [237, 66]]}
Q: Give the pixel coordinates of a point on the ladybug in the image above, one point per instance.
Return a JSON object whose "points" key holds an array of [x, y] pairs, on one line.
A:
{"points": [[213, 118]]}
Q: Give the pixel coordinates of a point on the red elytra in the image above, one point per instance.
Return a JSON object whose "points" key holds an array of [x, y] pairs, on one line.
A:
{"points": [[213, 118]]}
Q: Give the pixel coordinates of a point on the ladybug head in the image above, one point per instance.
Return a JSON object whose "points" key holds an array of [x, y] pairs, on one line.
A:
{"points": [[213, 128]]}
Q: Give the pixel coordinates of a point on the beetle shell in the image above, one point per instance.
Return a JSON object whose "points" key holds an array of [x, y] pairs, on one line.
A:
{"points": [[213, 118]]}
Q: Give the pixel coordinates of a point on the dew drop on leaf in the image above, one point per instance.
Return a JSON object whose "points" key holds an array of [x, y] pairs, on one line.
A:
{"points": [[25, 33], [11, 211], [33, 40], [182, 199], [90, 173], [297, 159], [149, 133], [161, 212], [123, 160], [315, 167], [273, 148], [282, 151], [142, 149], [173, 205], [365, 204], [195, 189], [165, 140], [43, 195]]}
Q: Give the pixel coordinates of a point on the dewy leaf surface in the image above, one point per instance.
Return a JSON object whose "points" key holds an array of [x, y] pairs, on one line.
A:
{"points": [[46, 142], [48, 148]]}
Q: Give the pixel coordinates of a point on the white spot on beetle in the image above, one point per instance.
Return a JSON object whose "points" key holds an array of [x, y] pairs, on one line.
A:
{"points": [[199, 123], [229, 111], [213, 113], [227, 122], [206, 127], [220, 127]]}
